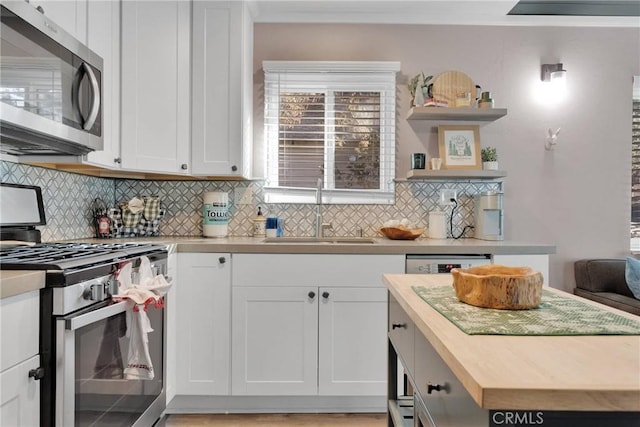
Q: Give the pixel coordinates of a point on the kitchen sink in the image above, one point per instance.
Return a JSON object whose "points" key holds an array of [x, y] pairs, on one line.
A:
{"points": [[323, 240]]}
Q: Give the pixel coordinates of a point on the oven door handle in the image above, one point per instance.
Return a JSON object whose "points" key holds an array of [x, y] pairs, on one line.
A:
{"points": [[76, 322]]}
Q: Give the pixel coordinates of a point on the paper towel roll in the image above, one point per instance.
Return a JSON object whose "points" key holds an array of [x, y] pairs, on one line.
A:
{"points": [[215, 214]]}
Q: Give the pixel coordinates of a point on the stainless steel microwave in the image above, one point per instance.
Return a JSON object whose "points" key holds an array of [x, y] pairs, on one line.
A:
{"points": [[50, 87]]}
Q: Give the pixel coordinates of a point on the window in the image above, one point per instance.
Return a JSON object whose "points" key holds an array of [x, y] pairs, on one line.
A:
{"points": [[333, 124]]}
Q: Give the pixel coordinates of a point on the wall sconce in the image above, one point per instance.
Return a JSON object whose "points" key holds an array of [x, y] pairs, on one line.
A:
{"points": [[553, 73]]}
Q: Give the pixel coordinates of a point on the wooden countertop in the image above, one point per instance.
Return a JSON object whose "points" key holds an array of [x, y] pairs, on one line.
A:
{"points": [[573, 373], [19, 282]]}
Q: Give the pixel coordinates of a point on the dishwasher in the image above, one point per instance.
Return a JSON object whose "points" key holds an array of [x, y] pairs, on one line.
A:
{"points": [[439, 264]]}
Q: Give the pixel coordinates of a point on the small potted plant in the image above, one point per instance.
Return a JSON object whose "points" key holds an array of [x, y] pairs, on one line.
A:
{"points": [[419, 89], [489, 158]]}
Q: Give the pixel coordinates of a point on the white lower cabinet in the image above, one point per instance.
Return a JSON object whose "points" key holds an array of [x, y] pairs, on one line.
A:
{"points": [[275, 340], [20, 395], [19, 360], [308, 325], [351, 348], [203, 302]]}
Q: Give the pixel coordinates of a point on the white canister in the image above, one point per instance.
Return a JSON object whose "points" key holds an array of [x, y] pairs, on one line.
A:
{"points": [[215, 214], [437, 225]]}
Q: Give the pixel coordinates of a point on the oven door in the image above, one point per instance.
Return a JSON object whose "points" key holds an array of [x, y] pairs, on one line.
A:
{"points": [[92, 348]]}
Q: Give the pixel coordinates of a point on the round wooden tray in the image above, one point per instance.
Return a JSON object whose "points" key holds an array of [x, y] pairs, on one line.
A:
{"points": [[448, 85], [397, 233], [498, 286]]}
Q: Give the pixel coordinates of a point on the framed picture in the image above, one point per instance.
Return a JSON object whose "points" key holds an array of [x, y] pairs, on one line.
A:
{"points": [[460, 146]]}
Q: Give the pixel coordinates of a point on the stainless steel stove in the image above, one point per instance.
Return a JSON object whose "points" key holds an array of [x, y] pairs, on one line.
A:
{"points": [[83, 333], [68, 263]]}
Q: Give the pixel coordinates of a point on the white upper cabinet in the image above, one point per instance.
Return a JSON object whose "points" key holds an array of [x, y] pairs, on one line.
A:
{"points": [[222, 88], [71, 15], [103, 37], [155, 83]]}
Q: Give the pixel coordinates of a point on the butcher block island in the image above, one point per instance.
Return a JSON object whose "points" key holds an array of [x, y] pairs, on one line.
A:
{"points": [[460, 379]]}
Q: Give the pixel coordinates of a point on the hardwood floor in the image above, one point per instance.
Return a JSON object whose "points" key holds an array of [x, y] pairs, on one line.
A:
{"points": [[277, 420]]}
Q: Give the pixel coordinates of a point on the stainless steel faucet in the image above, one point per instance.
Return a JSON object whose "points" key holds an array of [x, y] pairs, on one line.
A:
{"points": [[320, 225], [319, 231]]}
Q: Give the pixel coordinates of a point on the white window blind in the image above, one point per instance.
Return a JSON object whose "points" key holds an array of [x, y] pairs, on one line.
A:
{"points": [[635, 176], [333, 121]]}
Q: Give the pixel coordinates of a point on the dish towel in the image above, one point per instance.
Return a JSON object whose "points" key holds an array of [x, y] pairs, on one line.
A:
{"points": [[149, 290]]}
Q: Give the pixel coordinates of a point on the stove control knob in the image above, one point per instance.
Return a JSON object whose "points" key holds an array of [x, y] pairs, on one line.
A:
{"points": [[95, 292]]}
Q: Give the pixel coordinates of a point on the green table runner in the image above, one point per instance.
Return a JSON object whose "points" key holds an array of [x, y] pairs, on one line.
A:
{"points": [[556, 315]]}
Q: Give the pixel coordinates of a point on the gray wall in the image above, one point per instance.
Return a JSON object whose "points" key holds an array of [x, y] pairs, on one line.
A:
{"points": [[576, 197]]}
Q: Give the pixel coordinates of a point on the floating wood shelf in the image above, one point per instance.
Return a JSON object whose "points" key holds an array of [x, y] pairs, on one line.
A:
{"points": [[455, 174], [459, 114]]}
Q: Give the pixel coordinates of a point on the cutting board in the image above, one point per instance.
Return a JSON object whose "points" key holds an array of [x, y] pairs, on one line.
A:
{"points": [[450, 83]]}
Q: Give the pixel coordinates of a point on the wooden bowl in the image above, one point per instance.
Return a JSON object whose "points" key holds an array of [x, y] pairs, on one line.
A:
{"points": [[401, 233], [498, 286]]}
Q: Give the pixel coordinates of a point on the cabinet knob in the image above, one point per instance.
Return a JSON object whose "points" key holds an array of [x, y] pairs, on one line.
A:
{"points": [[325, 295], [234, 168], [312, 295], [436, 387], [398, 325], [184, 166], [40, 9], [222, 260], [36, 374], [117, 160]]}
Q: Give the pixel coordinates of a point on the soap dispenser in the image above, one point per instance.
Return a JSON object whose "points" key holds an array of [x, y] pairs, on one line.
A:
{"points": [[259, 224]]}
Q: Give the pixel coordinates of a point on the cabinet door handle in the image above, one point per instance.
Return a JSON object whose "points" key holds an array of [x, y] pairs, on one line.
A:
{"points": [[36, 374], [325, 295], [222, 260], [234, 168], [311, 294], [436, 387], [398, 325], [184, 166]]}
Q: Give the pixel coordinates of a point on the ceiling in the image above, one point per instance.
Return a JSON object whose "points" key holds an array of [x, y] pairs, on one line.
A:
{"points": [[586, 13]]}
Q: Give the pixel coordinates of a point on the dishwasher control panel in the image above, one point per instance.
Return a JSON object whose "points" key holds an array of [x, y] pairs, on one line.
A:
{"points": [[437, 264]]}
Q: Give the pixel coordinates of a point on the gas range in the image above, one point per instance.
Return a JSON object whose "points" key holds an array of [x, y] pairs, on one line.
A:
{"points": [[68, 263], [84, 337]]}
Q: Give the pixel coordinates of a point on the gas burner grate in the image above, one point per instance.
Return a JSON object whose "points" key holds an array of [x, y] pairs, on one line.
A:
{"points": [[63, 256]]}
